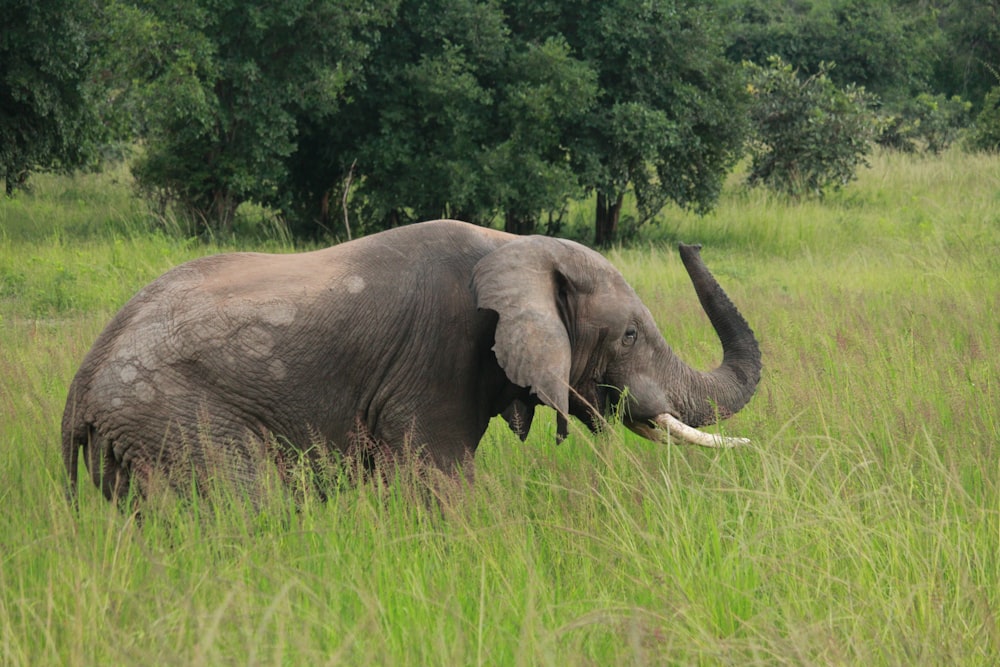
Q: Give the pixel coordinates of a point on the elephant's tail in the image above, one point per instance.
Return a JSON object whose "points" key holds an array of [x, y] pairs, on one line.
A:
{"points": [[106, 470], [74, 438]]}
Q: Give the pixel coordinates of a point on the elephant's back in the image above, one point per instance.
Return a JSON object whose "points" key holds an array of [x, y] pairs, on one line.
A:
{"points": [[200, 304], [412, 248]]}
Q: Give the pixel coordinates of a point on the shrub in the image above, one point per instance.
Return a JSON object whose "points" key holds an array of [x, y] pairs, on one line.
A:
{"points": [[807, 134], [926, 123], [985, 135]]}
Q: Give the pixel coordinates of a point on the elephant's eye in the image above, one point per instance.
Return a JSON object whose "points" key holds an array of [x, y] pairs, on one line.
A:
{"points": [[630, 335]]}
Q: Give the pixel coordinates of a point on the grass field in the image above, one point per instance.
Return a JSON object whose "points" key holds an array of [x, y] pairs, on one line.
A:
{"points": [[862, 527]]}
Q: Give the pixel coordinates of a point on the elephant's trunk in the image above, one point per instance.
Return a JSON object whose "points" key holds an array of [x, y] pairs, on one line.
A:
{"points": [[702, 398]]}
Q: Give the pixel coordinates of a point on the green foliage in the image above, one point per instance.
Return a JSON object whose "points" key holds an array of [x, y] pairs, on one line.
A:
{"points": [[227, 83], [969, 53], [808, 134], [546, 94], [985, 133], [48, 90], [669, 118], [887, 46], [456, 116], [422, 126], [398, 110], [925, 123], [860, 528], [480, 109]]}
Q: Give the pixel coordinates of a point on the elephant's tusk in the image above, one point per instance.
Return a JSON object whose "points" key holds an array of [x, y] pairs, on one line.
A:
{"points": [[678, 430]]}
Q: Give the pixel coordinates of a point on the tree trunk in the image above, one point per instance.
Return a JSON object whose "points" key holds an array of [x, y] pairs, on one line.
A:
{"points": [[606, 219], [324, 210], [213, 212], [518, 224], [16, 179]]}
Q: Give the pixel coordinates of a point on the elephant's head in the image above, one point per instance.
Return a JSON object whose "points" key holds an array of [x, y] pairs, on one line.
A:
{"points": [[576, 333]]}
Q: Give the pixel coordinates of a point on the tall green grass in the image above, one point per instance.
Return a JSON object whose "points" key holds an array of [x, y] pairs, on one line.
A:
{"points": [[863, 525]]}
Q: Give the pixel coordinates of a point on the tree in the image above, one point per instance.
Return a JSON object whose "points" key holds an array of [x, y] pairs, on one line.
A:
{"points": [[48, 117], [927, 122], [480, 108], [227, 83], [668, 121], [969, 65], [985, 133], [808, 134], [545, 93], [415, 125], [886, 46], [457, 116]]}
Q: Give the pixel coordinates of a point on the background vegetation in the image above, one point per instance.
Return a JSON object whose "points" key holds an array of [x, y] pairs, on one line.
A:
{"points": [[338, 117], [863, 525]]}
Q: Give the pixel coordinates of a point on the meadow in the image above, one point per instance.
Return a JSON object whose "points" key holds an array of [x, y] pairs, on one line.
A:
{"points": [[862, 526]]}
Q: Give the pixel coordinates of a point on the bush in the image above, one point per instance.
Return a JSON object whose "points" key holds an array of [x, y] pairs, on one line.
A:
{"points": [[807, 135], [985, 135], [926, 123]]}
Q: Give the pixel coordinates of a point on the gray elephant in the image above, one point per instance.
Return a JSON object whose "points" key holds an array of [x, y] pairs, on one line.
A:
{"points": [[411, 338]]}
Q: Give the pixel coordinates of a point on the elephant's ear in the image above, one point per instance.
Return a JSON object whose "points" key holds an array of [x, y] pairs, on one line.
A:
{"points": [[523, 283]]}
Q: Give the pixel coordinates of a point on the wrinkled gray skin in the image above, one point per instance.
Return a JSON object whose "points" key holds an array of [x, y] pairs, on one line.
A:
{"points": [[414, 336]]}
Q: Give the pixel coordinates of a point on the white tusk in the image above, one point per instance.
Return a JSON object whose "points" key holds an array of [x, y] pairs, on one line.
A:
{"points": [[681, 431]]}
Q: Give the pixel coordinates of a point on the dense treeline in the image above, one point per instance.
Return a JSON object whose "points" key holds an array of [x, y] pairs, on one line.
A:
{"points": [[373, 113]]}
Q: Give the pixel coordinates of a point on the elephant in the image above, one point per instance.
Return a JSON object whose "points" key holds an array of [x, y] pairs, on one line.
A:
{"points": [[410, 338]]}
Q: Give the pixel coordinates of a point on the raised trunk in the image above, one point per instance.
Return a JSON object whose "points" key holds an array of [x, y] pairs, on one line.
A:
{"points": [[722, 392]]}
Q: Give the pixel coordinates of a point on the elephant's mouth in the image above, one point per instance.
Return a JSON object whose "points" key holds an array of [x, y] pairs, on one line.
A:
{"points": [[667, 428], [592, 403], [664, 427]]}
